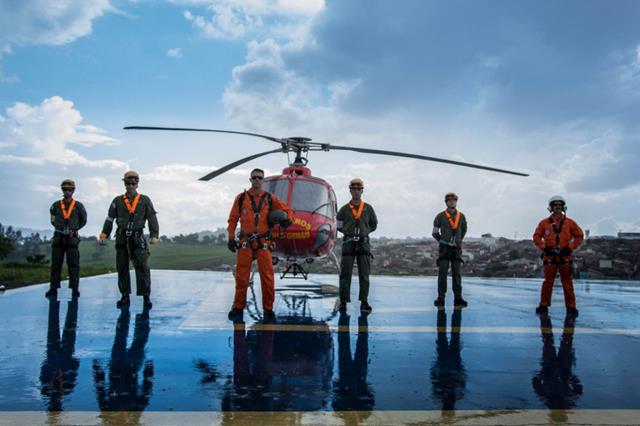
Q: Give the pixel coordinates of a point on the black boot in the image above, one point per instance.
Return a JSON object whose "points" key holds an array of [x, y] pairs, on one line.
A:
{"points": [[53, 292], [124, 301], [147, 302], [365, 307], [235, 313], [542, 310], [439, 302], [75, 293], [459, 302], [572, 311]]}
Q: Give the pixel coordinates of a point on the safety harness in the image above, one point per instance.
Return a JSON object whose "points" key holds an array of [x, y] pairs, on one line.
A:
{"points": [[556, 259], [129, 231], [131, 208], [355, 237], [66, 214], [255, 241], [454, 224], [447, 254]]}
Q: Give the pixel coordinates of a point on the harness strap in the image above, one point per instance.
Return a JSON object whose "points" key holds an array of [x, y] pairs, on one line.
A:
{"points": [[256, 210], [454, 224], [67, 213], [131, 208], [557, 230]]}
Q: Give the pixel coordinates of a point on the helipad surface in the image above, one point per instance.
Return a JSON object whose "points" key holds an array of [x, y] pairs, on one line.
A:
{"points": [[184, 362]]}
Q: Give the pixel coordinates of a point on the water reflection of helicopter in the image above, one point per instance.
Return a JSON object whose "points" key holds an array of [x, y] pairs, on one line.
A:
{"points": [[280, 366], [123, 392], [556, 384], [448, 375], [59, 370], [312, 199]]}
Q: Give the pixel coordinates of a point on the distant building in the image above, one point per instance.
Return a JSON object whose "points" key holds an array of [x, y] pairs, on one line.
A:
{"points": [[629, 235], [605, 264]]}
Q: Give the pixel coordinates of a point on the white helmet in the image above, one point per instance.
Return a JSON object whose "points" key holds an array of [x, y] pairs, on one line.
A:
{"points": [[555, 199]]}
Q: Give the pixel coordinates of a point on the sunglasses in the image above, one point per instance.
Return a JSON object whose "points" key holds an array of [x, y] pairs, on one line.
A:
{"points": [[130, 183], [257, 177], [451, 199], [357, 188], [557, 205]]}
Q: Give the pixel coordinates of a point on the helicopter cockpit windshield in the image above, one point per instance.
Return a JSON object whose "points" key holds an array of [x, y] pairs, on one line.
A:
{"points": [[312, 197], [278, 187]]}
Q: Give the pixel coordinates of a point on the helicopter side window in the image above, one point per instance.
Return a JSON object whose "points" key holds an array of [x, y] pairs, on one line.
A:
{"points": [[278, 187], [311, 197]]}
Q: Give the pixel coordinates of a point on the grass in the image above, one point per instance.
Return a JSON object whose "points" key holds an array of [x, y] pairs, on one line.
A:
{"points": [[96, 260], [14, 275]]}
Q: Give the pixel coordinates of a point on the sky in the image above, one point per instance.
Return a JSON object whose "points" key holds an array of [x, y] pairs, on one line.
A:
{"points": [[542, 87]]}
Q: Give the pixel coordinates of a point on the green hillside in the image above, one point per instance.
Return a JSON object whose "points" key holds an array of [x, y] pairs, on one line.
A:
{"points": [[99, 259]]}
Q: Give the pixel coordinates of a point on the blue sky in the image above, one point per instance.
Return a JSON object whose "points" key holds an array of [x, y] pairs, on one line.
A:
{"points": [[549, 88]]}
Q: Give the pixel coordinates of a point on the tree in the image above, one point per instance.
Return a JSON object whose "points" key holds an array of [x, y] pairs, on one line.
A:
{"points": [[7, 243]]}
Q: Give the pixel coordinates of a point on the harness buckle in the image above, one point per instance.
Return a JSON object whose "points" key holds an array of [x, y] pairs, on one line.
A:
{"points": [[244, 245], [128, 233], [356, 238]]}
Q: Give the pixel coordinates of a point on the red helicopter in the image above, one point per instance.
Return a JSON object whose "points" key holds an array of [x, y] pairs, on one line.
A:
{"points": [[313, 233]]}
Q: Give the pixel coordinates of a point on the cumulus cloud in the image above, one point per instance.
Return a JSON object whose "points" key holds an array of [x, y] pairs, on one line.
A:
{"points": [[234, 19], [45, 132], [33, 22]]}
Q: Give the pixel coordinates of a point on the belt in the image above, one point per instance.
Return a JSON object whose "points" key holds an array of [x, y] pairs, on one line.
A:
{"points": [[130, 232]]}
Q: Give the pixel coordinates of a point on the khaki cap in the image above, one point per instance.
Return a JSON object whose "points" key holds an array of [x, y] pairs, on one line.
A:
{"points": [[131, 175], [356, 182], [68, 183]]}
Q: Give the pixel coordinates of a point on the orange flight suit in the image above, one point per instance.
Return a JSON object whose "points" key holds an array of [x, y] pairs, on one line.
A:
{"points": [[258, 248], [559, 233]]}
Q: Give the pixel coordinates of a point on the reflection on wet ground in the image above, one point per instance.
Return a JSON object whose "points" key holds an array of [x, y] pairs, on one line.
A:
{"points": [[405, 362]]}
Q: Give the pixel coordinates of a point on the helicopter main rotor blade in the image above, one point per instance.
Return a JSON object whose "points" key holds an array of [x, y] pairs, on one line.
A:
{"points": [[230, 166], [185, 129], [423, 157]]}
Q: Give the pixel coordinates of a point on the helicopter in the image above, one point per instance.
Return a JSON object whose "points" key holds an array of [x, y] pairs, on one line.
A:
{"points": [[313, 234]]}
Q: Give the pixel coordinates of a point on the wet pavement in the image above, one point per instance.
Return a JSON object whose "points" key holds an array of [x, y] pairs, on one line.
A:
{"points": [[85, 362]]}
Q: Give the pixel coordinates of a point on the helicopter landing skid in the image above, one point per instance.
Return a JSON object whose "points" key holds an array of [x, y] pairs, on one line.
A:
{"points": [[293, 270]]}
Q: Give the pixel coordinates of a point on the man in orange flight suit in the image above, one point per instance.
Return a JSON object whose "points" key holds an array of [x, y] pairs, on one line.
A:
{"points": [[252, 209], [557, 236]]}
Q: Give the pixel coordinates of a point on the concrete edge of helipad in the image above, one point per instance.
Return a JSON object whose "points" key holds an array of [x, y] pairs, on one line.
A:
{"points": [[459, 417]]}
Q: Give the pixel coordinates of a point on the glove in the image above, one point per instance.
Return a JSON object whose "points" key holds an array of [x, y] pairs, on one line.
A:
{"points": [[550, 251], [566, 251], [232, 245], [285, 223]]}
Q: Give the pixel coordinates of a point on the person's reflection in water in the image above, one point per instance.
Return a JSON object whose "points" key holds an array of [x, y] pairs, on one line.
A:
{"points": [[555, 383], [448, 375], [123, 392], [351, 391], [278, 370], [251, 381], [59, 370]]}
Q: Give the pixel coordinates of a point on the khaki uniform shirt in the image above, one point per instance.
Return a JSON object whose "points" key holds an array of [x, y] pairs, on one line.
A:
{"points": [[144, 213]]}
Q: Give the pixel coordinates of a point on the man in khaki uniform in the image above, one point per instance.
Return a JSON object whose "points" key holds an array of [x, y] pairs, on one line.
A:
{"points": [[356, 220], [130, 211], [449, 229], [68, 216]]}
